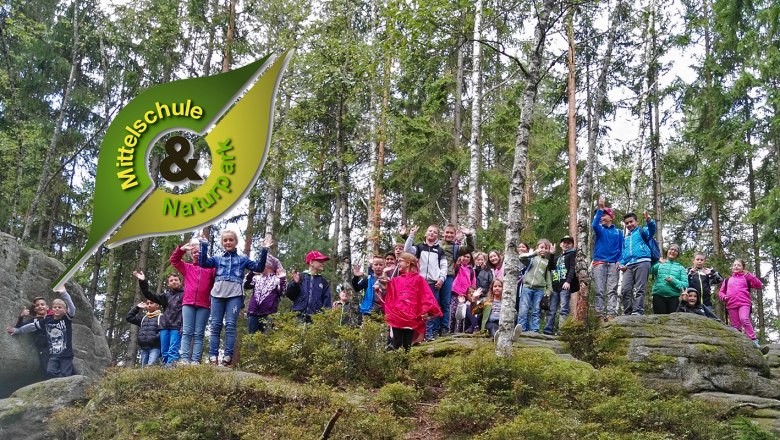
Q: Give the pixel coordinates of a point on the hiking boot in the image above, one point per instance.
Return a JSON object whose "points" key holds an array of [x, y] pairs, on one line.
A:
{"points": [[226, 361], [444, 332], [763, 349], [213, 360]]}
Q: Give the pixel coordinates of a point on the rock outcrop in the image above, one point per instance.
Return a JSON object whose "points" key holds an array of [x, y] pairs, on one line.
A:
{"points": [[687, 352], [24, 415], [25, 274]]}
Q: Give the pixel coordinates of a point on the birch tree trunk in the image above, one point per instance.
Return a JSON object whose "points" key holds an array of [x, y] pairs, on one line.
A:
{"points": [[533, 75], [572, 125], [458, 128], [476, 115], [49, 158]]}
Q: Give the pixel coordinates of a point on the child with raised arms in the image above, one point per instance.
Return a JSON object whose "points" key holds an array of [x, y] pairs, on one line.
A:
{"points": [[227, 296]]}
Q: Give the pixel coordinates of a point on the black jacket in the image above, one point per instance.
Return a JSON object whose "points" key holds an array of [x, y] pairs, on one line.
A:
{"points": [[484, 279], [149, 331], [703, 283], [170, 300], [565, 271]]}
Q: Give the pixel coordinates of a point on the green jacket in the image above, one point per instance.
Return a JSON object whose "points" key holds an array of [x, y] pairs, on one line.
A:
{"points": [[539, 275], [672, 269]]}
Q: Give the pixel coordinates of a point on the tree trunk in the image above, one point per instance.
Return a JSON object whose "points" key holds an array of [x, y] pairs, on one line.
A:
{"points": [[50, 152], [476, 115], [227, 57], [458, 126], [517, 183], [655, 126], [374, 236], [93, 282], [717, 247], [112, 297], [344, 250], [755, 244], [250, 221]]}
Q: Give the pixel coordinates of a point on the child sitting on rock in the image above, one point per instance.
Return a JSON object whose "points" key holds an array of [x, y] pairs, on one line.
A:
{"points": [[691, 303]]}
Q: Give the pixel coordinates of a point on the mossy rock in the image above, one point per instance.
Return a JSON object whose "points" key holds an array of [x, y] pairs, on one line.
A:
{"points": [[685, 351]]}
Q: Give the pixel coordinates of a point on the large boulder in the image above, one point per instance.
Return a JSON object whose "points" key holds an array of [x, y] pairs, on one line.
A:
{"points": [[687, 352], [24, 274], [25, 414]]}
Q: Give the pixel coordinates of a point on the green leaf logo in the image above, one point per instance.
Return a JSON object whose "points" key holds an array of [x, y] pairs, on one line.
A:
{"points": [[238, 137]]}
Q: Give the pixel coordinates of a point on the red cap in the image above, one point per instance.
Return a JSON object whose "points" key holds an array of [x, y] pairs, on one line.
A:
{"points": [[316, 255], [609, 212]]}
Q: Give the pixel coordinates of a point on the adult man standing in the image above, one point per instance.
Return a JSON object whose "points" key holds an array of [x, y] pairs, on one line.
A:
{"points": [[606, 254], [635, 263]]}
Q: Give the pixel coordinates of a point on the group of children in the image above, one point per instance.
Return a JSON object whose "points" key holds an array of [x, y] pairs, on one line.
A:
{"points": [[426, 290]]}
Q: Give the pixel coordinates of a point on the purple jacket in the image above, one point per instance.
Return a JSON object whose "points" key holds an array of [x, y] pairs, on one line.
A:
{"points": [[266, 291]]}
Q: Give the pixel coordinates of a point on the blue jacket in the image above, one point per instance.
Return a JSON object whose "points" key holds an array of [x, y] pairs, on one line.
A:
{"points": [[309, 296], [230, 266], [635, 249], [609, 241]]}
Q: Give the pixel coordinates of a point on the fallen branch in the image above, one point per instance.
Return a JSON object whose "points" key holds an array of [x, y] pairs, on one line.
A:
{"points": [[331, 424]]}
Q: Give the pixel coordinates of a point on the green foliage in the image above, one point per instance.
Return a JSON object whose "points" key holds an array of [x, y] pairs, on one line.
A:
{"points": [[196, 403], [399, 398], [323, 351]]}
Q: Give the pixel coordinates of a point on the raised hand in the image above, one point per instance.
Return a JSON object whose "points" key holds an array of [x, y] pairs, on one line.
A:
{"points": [[647, 216], [25, 312], [357, 271], [139, 274], [602, 203], [60, 289], [268, 241], [296, 277], [281, 273], [10, 330], [414, 230], [467, 231], [141, 305], [402, 230]]}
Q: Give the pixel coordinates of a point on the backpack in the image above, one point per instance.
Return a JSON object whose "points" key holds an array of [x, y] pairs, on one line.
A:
{"points": [[655, 251]]}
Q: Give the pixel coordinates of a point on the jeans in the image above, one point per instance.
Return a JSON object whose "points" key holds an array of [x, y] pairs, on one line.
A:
{"points": [[605, 277], [256, 323], [62, 367], [445, 297], [193, 329], [635, 276], [227, 309], [563, 298], [530, 299], [149, 356], [432, 325], [170, 341]]}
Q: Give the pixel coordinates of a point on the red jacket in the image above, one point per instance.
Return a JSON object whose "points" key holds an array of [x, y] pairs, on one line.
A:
{"points": [[198, 281], [407, 299], [737, 293]]}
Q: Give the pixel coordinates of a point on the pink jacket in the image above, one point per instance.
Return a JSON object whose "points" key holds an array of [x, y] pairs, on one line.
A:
{"points": [[407, 299], [463, 280], [737, 294], [198, 281]]}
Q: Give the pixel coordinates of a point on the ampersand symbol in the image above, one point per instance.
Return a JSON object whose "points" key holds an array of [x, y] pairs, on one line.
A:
{"points": [[178, 157]]}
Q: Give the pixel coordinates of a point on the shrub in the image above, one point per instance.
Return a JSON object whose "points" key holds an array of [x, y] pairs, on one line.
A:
{"points": [[324, 351], [399, 398]]}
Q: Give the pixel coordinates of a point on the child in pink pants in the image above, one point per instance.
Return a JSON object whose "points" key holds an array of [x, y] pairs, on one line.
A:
{"points": [[735, 293]]}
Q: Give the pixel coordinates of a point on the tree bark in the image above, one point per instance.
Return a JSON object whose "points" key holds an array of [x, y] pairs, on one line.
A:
{"points": [[755, 244], [476, 115], [517, 183], [458, 126], [374, 236], [55, 138], [655, 125], [344, 250], [227, 57]]}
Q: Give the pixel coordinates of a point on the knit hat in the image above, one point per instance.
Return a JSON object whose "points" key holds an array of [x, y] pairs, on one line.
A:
{"points": [[316, 255], [273, 263], [609, 212]]}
